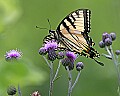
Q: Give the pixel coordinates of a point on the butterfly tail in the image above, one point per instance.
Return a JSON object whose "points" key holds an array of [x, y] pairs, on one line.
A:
{"points": [[102, 64]]}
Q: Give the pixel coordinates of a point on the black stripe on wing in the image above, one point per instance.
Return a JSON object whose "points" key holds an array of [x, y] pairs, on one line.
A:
{"points": [[87, 14], [70, 21], [89, 52]]}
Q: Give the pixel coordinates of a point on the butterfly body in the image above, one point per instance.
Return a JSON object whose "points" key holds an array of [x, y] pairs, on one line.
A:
{"points": [[72, 34]]}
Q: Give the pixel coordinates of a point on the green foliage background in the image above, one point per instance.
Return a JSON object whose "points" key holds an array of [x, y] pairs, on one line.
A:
{"points": [[18, 19]]}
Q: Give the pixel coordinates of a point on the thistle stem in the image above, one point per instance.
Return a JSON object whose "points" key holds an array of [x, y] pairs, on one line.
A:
{"points": [[76, 80], [19, 91], [47, 61], [70, 81], [57, 71], [51, 79], [107, 49], [116, 67]]}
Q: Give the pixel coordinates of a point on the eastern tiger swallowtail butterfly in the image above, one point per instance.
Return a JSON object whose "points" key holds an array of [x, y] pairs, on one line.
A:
{"points": [[72, 34]]}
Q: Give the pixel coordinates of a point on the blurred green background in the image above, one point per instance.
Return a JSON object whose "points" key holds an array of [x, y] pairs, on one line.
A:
{"points": [[18, 19]]}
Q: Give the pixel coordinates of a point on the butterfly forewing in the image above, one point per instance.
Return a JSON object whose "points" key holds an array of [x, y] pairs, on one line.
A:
{"points": [[79, 19]]}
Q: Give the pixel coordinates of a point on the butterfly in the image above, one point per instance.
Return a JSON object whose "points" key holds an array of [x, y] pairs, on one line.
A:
{"points": [[73, 34]]}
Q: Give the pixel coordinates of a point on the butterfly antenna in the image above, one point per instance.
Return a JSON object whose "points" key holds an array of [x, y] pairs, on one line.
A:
{"points": [[102, 64], [49, 23], [40, 28]]}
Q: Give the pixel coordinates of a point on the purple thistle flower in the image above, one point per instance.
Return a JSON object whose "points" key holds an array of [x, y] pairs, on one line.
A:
{"points": [[13, 54], [113, 36], [42, 51], [60, 55], [117, 52], [51, 45], [108, 41], [66, 62], [105, 36], [101, 44], [11, 90], [36, 93], [52, 55], [49, 48], [69, 61], [79, 66], [71, 55], [71, 66]]}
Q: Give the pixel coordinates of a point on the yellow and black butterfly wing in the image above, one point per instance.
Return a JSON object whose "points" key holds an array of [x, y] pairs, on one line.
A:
{"points": [[73, 33], [78, 19], [78, 44]]}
